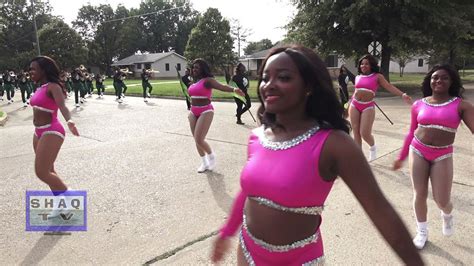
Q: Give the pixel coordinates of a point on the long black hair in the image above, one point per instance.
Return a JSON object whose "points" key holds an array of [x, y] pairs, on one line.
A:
{"points": [[322, 104], [374, 68], [456, 89], [50, 69], [205, 69]]}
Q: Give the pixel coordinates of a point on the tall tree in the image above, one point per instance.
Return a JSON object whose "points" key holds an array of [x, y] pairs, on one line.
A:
{"points": [[62, 43], [239, 34], [349, 26], [253, 47], [211, 40]]}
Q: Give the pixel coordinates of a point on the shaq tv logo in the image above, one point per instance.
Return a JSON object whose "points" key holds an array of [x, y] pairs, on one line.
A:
{"points": [[61, 213]]}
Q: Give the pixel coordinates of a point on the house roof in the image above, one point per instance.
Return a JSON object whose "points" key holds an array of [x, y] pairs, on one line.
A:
{"points": [[144, 58], [261, 54]]}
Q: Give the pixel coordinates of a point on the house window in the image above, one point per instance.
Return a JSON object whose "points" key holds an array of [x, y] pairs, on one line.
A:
{"points": [[139, 66], [167, 67], [178, 67], [420, 62], [331, 61]]}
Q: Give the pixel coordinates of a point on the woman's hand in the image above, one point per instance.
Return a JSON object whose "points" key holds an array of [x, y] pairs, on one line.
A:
{"points": [[407, 99], [72, 127], [220, 248], [239, 92], [397, 164]]}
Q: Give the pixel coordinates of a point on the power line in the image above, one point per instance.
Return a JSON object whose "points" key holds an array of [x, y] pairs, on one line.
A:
{"points": [[142, 15]]}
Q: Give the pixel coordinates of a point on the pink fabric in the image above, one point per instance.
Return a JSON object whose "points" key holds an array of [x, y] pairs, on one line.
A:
{"points": [[198, 110], [42, 100], [424, 114], [361, 107], [198, 89], [55, 128], [287, 177], [298, 256], [429, 153], [369, 82]]}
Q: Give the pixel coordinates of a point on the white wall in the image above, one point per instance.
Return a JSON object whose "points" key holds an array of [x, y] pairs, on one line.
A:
{"points": [[411, 67], [250, 64]]}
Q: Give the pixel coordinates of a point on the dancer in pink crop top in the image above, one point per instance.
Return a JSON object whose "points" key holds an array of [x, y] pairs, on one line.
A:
{"points": [[434, 120], [361, 110], [202, 111], [49, 132], [292, 162]]}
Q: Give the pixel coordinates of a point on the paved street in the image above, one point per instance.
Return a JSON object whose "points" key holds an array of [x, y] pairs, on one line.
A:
{"points": [[147, 204]]}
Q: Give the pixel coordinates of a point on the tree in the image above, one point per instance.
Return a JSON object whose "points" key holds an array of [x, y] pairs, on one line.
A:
{"points": [[253, 47], [403, 58], [349, 26], [239, 34], [62, 43], [211, 40]]}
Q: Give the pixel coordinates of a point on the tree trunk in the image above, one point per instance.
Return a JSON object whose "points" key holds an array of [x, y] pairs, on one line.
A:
{"points": [[385, 61]]}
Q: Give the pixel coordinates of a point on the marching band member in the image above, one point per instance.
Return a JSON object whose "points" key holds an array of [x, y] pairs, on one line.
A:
{"points": [[89, 84], [187, 80], [68, 83], [24, 85], [1, 87], [77, 85], [146, 74], [118, 85], [99, 84], [9, 79]]}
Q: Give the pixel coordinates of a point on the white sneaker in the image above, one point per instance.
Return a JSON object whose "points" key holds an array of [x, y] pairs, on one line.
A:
{"points": [[25, 105], [78, 105], [420, 239], [448, 224], [212, 162], [122, 95], [145, 100], [1, 98], [9, 102], [372, 154], [120, 101], [148, 95], [202, 168]]}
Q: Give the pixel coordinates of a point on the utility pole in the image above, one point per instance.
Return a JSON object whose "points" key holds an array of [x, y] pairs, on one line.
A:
{"points": [[36, 29]]}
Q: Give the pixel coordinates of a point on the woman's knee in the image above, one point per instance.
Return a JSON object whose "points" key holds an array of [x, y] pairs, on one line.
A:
{"points": [[42, 173], [443, 203]]}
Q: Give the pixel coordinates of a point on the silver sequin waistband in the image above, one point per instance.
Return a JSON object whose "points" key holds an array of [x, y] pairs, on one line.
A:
{"points": [[448, 129], [280, 248], [312, 210], [431, 146]]}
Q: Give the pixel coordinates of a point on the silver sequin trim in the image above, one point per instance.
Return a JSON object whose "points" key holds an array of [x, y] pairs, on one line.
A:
{"points": [[431, 146], [283, 145], [417, 152], [247, 255], [439, 104], [315, 262], [280, 248], [314, 210], [448, 129], [364, 89], [440, 158]]}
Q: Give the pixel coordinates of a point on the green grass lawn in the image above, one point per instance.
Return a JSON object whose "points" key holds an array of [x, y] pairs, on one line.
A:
{"points": [[1, 113], [409, 83]]}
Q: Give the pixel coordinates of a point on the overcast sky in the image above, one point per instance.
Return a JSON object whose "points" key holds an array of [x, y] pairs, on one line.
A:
{"points": [[264, 17]]}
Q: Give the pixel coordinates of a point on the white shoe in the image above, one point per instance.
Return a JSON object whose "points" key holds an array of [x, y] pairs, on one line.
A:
{"points": [[1, 98], [25, 105], [420, 239], [78, 105], [448, 224], [211, 163], [372, 154], [202, 168], [145, 100], [148, 95], [9, 102], [120, 100], [123, 95]]}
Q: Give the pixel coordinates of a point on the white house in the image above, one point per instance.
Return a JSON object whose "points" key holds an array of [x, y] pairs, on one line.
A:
{"points": [[165, 63]]}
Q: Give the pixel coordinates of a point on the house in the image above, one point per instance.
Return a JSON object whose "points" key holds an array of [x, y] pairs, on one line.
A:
{"points": [[165, 63]]}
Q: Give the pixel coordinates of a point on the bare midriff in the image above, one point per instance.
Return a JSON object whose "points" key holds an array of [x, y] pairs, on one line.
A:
{"points": [[363, 95], [200, 101], [278, 227], [434, 136], [41, 118]]}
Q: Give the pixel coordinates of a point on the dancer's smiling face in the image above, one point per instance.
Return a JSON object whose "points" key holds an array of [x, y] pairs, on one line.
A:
{"points": [[282, 87], [36, 73]]}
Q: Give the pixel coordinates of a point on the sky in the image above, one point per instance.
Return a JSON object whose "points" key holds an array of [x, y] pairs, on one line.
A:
{"points": [[265, 18]]}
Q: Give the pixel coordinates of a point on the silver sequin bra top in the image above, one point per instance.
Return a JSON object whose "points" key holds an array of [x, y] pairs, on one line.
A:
{"points": [[311, 210], [283, 145], [439, 104]]}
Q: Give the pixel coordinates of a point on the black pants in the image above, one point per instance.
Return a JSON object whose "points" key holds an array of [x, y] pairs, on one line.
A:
{"points": [[100, 89], [240, 105], [344, 95], [24, 88], [145, 85], [188, 103]]}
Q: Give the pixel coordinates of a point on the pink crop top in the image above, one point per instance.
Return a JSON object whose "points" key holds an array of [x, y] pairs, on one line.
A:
{"points": [[443, 116], [198, 90], [282, 175], [43, 102], [367, 82]]}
